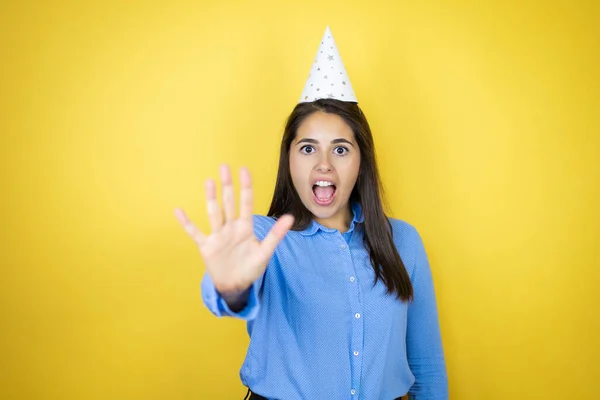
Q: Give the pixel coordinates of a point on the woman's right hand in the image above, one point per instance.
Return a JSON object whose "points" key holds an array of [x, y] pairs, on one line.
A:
{"points": [[233, 256]]}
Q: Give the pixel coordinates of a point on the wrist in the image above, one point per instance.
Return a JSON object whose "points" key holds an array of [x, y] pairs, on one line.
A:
{"points": [[236, 300]]}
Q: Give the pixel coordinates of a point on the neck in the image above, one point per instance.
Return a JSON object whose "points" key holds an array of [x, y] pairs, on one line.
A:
{"points": [[340, 221]]}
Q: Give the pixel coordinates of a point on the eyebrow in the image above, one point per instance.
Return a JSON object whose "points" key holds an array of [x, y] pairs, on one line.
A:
{"points": [[334, 141]]}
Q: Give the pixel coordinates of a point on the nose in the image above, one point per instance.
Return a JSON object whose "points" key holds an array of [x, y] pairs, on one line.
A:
{"points": [[324, 164]]}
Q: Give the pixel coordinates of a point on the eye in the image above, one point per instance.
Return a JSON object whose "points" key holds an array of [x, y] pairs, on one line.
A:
{"points": [[307, 149], [340, 150]]}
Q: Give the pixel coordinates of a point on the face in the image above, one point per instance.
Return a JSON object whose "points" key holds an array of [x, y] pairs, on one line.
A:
{"points": [[324, 163]]}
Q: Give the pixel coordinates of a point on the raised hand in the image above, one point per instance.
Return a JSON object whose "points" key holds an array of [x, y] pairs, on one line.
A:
{"points": [[233, 256]]}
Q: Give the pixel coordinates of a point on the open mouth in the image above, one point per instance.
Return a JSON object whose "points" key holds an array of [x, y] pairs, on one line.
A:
{"points": [[324, 192]]}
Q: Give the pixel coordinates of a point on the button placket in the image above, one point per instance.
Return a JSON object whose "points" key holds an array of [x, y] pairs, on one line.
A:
{"points": [[357, 328]]}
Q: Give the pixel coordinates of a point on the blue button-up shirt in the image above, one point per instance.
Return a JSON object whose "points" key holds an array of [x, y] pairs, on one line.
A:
{"points": [[321, 329]]}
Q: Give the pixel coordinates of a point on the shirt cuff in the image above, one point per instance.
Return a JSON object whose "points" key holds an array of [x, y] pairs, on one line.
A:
{"points": [[218, 306]]}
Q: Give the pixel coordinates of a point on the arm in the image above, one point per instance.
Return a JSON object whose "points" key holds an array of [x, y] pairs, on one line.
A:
{"points": [[237, 251], [423, 337]]}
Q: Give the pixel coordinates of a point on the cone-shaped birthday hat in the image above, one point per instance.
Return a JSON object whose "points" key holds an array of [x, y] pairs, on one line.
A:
{"points": [[328, 78]]}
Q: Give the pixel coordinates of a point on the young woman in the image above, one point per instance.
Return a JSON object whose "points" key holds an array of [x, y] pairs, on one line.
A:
{"points": [[338, 297]]}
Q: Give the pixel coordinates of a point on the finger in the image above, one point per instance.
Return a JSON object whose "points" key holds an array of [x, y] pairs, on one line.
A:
{"points": [[228, 195], [276, 234], [212, 207], [189, 227], [246, 194]]}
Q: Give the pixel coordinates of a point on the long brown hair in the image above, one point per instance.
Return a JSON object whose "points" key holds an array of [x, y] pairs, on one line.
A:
{"points": [[367, 191]]}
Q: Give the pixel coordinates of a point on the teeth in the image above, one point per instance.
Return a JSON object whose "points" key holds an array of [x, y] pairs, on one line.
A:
{"points": [[323, 183]]}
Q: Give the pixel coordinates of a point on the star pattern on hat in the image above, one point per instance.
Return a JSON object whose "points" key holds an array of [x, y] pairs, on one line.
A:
{"points": [[334, 85]]}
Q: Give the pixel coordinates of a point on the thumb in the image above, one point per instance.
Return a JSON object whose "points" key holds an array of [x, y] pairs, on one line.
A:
{"points": [[276, 234]]}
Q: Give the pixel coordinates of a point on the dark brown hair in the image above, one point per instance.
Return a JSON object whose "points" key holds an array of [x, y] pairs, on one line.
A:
{"points": [[367, 191]]}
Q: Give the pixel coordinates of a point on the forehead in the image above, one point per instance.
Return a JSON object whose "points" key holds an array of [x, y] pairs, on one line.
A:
{"points": [[324, 127]]}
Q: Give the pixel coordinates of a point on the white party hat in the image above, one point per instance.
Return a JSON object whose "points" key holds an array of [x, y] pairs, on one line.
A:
{"points": [[328, 78]]}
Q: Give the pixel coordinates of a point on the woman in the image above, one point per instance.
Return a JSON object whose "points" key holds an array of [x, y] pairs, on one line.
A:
{"points": [[338, 298]]}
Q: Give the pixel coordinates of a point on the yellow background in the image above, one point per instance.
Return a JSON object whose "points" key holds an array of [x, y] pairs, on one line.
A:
{"points": [[485, 116]]}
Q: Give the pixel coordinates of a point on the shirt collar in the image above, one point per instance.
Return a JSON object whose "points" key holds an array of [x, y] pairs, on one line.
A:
{"points": [[358, 217]]}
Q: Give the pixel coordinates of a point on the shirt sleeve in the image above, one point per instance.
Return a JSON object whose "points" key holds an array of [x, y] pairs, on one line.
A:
{"points": [[423, 338], [218, 306], [215, 302]]}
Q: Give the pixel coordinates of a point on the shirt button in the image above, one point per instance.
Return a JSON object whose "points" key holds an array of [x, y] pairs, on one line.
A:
{"points": [[357, 315], [343, 247], [352, 279], [353, 392], [355, 352]]}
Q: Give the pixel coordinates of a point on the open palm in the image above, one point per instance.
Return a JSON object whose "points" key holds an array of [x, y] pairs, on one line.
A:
{"points": [[233, 256]]}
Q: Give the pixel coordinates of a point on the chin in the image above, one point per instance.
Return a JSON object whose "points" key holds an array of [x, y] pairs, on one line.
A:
{"points": [[323, 214]]}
